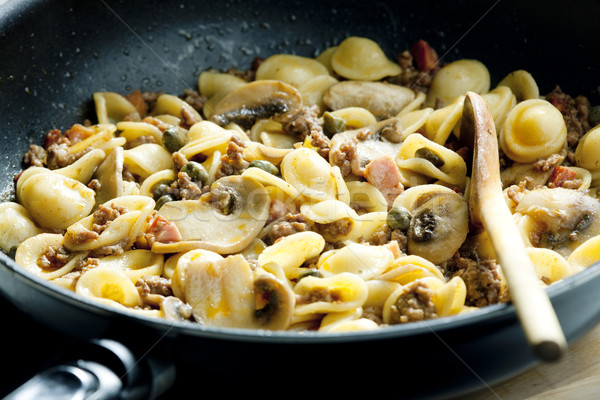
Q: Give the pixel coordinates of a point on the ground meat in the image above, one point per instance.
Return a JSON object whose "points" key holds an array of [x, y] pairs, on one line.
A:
{"points": [[516, 192], [414, 304], [346, 158], [35, 156], [290, 224], [381, 236], [373, 313], [233, 162], [54, 258], [548, 163], [179, 160], [335, 229], [188, 118], [154, 285], [575, 111], [104, 215], [194, 99], [318, 294], [411, 76], [481, 277], [184, 188], [306, 123]]}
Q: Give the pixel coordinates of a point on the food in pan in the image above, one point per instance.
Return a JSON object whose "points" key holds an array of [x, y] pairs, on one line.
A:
{"points": [[309, 194]]}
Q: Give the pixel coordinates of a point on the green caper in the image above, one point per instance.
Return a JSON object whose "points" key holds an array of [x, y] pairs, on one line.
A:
{"points": [[430, 156], [160, 188], [172, 139], [594, 116], [332, 124], [265, 166], [399, 218], [162, 200], [196, 171]]}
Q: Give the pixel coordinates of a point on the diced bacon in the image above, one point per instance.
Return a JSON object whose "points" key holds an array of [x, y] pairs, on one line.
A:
{"points": [[164, 231], [137, 99], [77, 133], [560, 175], [383, 173], [424, 55]]}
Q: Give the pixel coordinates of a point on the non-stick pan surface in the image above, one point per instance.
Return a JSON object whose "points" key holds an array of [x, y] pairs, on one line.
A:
{"points": [[55, 54]]}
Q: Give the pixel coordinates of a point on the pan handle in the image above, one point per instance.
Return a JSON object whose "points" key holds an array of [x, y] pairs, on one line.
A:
{"points": [[108, 371]]}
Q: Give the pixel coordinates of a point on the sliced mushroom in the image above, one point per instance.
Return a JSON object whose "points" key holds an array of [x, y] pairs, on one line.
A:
{"points": [[110, 177], [227, 293], [274, 302], [383, 100], [225, 220], [561, 219], [174, 309], [439, 225], [258, 100]]}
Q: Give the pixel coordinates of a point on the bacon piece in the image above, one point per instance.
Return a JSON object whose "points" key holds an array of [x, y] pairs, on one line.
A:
{"points": [[383, 173], [424, 55], [560, 175], [164, 231]]}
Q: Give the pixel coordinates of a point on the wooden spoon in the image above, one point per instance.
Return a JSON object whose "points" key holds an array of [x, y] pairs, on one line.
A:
{"points": [[488, 210]]}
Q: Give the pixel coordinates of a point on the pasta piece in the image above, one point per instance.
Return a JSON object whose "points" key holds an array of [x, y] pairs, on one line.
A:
{"points": [[173, 105], [456, 79], [586, 154], [108, 286], [550, 266], [360, 58], [313, 89], [36, 255], [290, 252], [55, 201], [337, 293], [148, 184], [379, 291], [500, 101], [103, 138], [176, 265], [211, 82], [360, 259], [132, 130], [355, 117], [135, 264], [441, 122], [449, 299], [350, 325], [83, 169], [112, 107], [421, 159], [522, 84], [586, 255], [292, 69], [16, 225], [533, 130], [309, 173], [147, 159], [365, 196], [325, 58], [123, 230], [409, 268]]}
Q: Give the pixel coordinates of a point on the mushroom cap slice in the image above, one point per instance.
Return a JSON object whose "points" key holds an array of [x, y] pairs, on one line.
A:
{"points": [[439, 225], [224, 221], [383, 100], [110, 176], [258, 100]]}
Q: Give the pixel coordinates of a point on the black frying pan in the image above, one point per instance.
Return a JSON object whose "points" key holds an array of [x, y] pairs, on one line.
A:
{"points": [[55, 54]]}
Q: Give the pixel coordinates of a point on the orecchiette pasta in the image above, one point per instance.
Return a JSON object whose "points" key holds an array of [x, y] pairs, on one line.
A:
{"points": [[325, 193]]}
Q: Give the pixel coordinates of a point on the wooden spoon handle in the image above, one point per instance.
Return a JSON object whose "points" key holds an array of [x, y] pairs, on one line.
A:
{"points": [[488, 208]]}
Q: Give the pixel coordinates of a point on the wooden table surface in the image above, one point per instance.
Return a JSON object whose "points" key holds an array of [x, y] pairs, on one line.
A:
{"points": [[576, 376]]}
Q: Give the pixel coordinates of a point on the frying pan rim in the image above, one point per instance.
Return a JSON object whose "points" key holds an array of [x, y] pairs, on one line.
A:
{"points": [[492, 313]]}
